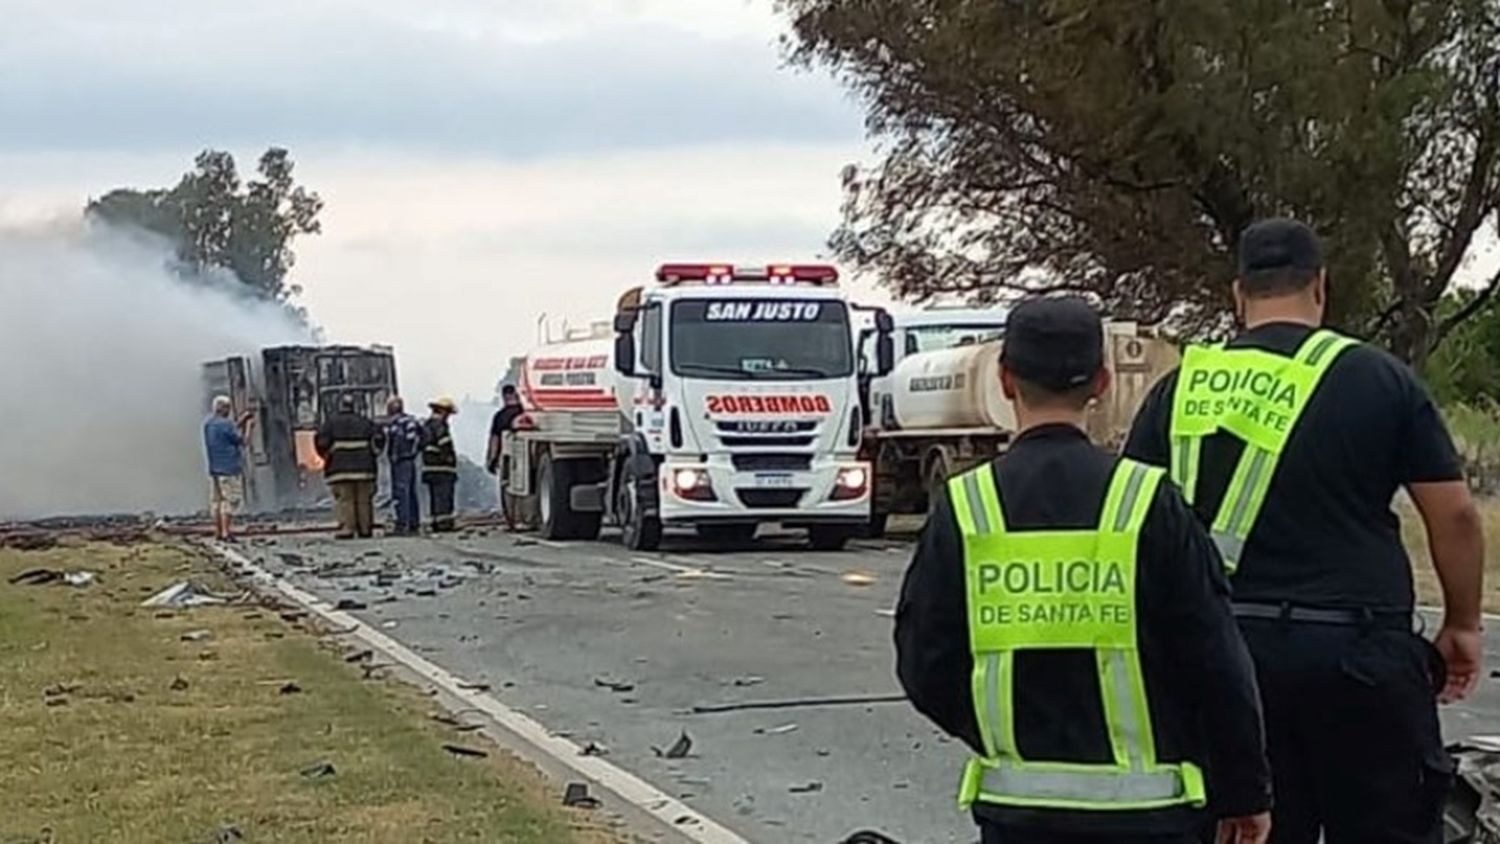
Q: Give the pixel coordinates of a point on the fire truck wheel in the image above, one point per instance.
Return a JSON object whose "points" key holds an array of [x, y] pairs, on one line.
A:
{"points": [[638, 531]]}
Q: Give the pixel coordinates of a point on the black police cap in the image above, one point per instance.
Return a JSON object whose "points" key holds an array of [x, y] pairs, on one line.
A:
{"points": [[1056, 343], [1279, 244]]}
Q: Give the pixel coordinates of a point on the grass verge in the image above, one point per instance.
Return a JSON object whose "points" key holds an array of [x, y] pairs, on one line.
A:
{"points": [[126, 724]]}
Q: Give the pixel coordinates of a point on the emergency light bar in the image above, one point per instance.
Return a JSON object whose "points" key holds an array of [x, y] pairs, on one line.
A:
{"points": [[819, 275]]}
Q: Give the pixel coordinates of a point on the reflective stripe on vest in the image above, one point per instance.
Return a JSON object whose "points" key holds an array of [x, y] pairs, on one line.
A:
{"points": [[1258, 397], [1038, 590], [352, 445]]}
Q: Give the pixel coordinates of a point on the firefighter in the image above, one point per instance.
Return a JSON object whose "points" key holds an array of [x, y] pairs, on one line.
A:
{"points": [[440, 464], [1290, 442], [348, 442], [1068, 619]]}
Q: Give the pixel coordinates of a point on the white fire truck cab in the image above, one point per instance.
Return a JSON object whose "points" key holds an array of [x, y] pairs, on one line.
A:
{"points": [[730, 400]]}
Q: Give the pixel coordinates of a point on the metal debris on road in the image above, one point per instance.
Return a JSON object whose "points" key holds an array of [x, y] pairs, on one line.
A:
{"points": [[183, 594], [362, 656], [576, 796], [807, 788], [746, 682], [620, 686], [886, 613], [776, 731], [79, 578], [347, 604], [290, 689], [594, 749], [228, 833], [795, 703], [857, 578], [390, 625], [179, 685], [474, 687], [36, 577], [679, 749], [460, 750], [319, 771], [294, 560], [196, 636]]}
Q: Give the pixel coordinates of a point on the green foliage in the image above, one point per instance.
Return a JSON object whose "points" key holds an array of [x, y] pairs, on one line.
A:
{"points": [[1119, 147], [1466, 368], [214, 221]]}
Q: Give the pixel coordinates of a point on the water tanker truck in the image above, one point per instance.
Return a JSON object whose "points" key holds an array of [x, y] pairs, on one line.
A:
{"points": [[720, 399]]}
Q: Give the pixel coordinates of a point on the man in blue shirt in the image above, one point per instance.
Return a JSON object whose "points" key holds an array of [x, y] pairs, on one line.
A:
{"points": [[223, 439], [403, 444]]}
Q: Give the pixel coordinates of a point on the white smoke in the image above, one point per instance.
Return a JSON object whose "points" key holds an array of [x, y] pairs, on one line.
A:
{"points": [[100, 354]]}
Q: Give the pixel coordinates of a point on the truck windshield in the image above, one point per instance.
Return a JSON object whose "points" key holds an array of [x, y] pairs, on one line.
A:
{"points": [[930, 338], [761, 339]]}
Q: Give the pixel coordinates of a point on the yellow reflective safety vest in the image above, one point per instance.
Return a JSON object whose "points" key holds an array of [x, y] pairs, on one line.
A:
{"points": [[1258, 397], [1038, 590]]}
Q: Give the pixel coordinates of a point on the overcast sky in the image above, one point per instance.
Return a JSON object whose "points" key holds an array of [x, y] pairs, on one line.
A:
{"points": [[483, 161]]}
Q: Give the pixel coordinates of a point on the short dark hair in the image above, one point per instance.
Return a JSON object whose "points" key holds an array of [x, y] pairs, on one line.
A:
{"points": [[1035, 395], [508, 390], [1280, 281]]}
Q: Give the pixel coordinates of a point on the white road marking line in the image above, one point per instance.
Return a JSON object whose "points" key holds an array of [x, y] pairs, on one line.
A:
{"points": [[671, 813], [685, 572]]}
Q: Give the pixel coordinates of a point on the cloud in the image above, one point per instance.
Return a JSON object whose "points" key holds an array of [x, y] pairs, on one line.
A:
{"points": [[513, 79]]}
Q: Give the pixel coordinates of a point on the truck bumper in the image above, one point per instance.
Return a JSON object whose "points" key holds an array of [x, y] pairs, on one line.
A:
{"points": [[793, 498]]}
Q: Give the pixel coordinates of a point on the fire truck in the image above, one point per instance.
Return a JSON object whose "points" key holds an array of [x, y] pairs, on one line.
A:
{"points": [[720, 399]]}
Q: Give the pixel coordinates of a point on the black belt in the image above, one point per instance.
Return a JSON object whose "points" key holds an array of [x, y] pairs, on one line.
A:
{"points": [[1391, 619]]}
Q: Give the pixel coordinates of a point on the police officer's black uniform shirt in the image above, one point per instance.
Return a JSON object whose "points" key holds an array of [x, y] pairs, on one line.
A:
{"points": [[1199, 680], [1326, 535]]}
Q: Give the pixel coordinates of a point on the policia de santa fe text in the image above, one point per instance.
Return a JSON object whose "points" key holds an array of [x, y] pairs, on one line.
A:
{"points": [[1068, 618], [1290, 442]]}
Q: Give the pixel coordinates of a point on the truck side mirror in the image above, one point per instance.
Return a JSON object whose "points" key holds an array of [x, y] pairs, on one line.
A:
{"points": [[883, 322], [625, 322], [625, 353], [885, 355]]}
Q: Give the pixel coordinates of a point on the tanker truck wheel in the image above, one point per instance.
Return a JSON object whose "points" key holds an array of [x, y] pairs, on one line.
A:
{"points": [[638, 531], [555, 480]]}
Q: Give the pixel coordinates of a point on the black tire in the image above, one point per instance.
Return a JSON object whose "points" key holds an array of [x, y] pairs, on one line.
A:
{"points": [[558, 520], [828, 537], [731, 535], [877, 526], [938, 471], [638, 532]]}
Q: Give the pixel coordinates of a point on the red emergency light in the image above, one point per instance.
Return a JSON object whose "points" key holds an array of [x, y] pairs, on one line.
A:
{"points": [[815, 274]]}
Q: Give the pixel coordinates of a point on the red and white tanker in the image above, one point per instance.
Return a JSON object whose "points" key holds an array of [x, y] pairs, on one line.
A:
{"points": [[722, 398]]}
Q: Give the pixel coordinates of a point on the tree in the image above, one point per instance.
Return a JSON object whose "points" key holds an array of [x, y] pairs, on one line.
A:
{"points": [[216, 222], [1119, 147]]}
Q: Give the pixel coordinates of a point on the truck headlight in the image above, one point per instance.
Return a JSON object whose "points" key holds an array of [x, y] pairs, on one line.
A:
{"points": [[693, 485], [852, 482]]}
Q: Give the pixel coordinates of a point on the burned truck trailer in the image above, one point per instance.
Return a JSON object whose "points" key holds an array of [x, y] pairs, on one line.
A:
{"points": [[291, 390]]}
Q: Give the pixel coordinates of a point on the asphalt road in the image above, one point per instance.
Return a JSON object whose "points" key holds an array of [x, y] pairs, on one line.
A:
{"points": [[616, 648]]}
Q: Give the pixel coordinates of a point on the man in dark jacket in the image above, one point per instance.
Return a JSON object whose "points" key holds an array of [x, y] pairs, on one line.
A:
{"points": [[348, 443], [1067, 617], [440, 464], [403, 447], [501, 424]]}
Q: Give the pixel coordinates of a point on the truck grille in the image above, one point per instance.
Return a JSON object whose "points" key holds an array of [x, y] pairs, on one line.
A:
{"points": [[767, 442], [771, 462], [771, 499], [767, 433]]}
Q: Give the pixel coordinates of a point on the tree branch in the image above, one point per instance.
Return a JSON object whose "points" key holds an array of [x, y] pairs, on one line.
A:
{"points": [[1472, 307]]}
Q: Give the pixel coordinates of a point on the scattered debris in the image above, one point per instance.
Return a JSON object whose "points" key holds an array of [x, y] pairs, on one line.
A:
{"points": [[886, 613], [183, 594], [290, 689], [294, 560], [796, 703], [322, 770], [808, 788], [60, 689], [857, 578], [36, 577], [197, 636], [228, 833], [614, 685], [776, 731], [679, 749], [594, 749], [468, 728], [56, 701], [79, 578], [474, 687], [28, 540], [390, 625], [422, 593], [576, 796], [460, 750], [747, 682], [347, 604], [362, 656], [179, 685]]}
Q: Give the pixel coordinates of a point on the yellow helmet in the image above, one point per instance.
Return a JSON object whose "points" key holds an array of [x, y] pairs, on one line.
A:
{"points": [[445, 404]]}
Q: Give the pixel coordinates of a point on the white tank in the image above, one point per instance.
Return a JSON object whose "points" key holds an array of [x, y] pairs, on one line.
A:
{"points": [[951, 388], [570, 376]]}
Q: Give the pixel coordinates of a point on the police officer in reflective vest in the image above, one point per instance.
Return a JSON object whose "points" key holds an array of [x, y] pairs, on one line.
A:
{"points": [[1290, 442], [1068, 618]]}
